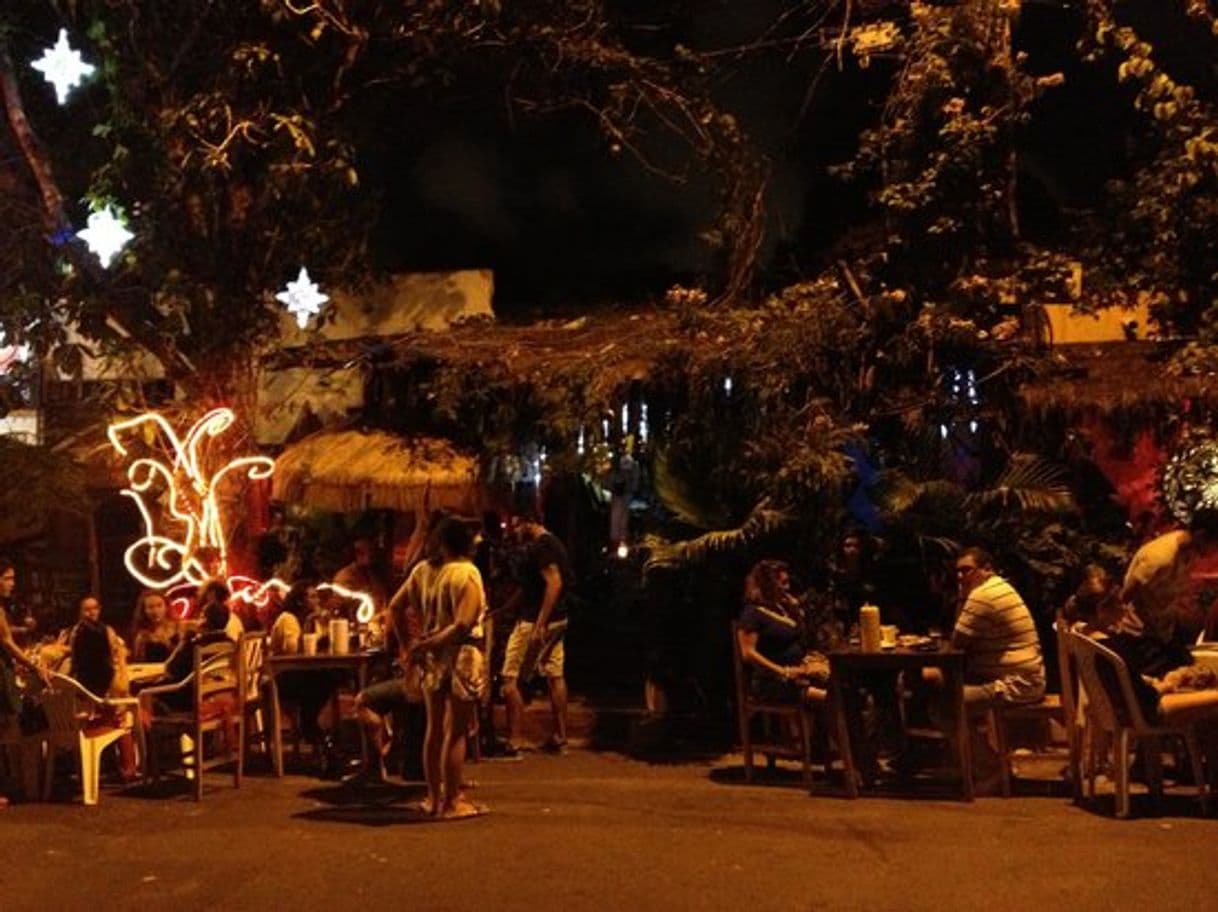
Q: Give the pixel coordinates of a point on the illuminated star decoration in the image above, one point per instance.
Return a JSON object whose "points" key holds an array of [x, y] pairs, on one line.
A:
{"points": [[106, 235], [63, 67], [302, 298]]}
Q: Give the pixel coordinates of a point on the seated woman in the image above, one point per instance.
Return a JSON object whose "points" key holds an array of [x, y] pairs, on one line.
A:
{"points": [[154, 634], [309, 690], [1156, 669], [99, 663], [771, 638]]}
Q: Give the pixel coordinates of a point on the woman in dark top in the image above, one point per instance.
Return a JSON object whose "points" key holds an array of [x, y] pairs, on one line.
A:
{"points": [[771, 637], [154, 633]]}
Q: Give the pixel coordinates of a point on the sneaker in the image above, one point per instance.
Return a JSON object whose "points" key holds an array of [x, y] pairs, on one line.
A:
{"points": [[554, 746]]}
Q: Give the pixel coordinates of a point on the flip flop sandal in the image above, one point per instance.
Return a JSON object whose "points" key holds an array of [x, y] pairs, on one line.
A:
{"points": [[465, 812]]}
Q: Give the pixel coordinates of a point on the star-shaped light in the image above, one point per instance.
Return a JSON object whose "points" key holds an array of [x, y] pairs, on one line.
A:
{"points": [[106, 235], [63, 67], [302, 298]]}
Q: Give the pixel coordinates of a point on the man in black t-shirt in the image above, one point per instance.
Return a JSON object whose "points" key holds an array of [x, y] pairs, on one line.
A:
{"points": [[537, 639]]}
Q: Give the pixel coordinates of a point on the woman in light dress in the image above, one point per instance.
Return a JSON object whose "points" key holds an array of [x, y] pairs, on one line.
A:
{"points": [[446, 594]]}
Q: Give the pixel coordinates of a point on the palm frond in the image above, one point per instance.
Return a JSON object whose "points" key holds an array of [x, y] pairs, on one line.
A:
{"points": [[679, 498], [664, 554], [1029, 483]]}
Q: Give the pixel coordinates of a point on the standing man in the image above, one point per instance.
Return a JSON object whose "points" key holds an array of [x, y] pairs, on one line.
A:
{"points": [[545, 580], [11, 657], [1158, 595]]}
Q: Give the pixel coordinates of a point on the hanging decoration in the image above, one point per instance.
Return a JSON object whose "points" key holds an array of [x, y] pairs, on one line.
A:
{"points": [[177, 497], [367, 607], [302, 298], [63, 67], [1190, 478], [106, 235]]}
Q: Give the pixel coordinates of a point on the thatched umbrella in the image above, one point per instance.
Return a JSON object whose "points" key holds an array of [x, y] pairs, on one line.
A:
{"points": [[348, 471]]}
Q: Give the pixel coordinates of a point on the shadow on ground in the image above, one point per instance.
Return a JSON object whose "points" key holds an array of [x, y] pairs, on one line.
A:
{"points": [[366, 805]]}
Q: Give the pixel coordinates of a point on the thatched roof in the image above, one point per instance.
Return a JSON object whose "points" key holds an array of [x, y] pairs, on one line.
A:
{"points": [[1114, 378], [616, 345], [348, 471]]}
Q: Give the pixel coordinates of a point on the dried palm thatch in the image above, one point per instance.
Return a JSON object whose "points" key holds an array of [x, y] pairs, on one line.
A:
{"points": [[348, 471], [1127, 378]]}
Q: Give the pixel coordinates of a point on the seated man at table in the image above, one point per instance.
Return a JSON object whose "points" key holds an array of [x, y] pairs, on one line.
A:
{"points": [[1003, 661]]}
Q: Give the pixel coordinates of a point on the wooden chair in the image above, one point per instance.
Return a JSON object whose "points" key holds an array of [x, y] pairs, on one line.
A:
{"points": [[218, 704], [253, 652], [1050, 708], [80, 721], [774, 716], [1114, 709]]}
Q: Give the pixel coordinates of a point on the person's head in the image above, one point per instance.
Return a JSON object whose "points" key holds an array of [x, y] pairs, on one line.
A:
{"points": [[8, 578], [300, 601], [973, 567], [90, 608], [362, 552], [216, 615], [767, 582], [526, 525], [853, 551], [1097, 600], [211, 560], [150, 609], [454, 538]]}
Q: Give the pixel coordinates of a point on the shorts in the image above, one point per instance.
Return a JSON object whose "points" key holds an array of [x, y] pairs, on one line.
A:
{"points": [[549, 663], [461, 675], [385, 696]]}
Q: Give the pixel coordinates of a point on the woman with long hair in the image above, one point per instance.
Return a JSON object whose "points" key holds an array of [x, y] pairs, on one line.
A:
{"points": [[771, 636], [154, 633]]}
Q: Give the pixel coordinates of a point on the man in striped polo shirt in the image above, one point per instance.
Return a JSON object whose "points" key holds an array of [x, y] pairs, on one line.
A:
{"points": [[1003, 661]]}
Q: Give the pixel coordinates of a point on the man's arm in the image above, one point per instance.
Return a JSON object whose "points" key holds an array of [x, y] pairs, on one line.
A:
{"points": [[9, 645], [553, 579]]}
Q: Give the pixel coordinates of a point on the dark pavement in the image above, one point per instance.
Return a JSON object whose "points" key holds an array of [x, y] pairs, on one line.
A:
{"points": [[597, 831]]}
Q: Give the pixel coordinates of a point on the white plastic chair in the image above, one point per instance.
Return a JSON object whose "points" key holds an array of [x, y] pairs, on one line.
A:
{"points": [[70, 710], [1114, 708]]}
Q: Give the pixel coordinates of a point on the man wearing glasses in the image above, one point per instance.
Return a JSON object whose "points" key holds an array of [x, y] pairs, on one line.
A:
{"points": [[1003, 661]]}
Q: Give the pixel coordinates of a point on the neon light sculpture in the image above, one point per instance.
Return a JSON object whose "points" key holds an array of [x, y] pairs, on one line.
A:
{"points": [[367, 608], [183, 494]]}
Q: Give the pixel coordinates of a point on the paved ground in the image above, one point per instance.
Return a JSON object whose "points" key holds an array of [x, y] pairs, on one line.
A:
{"points": [[595, 831]]}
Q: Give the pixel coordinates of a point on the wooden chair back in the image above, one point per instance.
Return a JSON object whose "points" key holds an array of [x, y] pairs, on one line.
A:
{"points": [[218, 669], [253, 654]]}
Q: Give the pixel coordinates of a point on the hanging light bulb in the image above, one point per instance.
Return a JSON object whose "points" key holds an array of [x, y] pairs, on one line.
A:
{"points": [[643, 423], [623, 550], [579, 443], [625, 418], [727, 385]]}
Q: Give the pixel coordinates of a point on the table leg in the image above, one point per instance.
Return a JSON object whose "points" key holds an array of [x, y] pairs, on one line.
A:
{"points": [[837, 707], [276, 727], [964, 746], [361, 676]]}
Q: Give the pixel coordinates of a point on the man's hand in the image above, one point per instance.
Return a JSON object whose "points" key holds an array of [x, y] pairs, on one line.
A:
{"points": [[537, 635]]}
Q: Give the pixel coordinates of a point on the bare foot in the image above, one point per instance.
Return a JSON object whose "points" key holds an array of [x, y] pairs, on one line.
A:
{"points": [[462, 807]]}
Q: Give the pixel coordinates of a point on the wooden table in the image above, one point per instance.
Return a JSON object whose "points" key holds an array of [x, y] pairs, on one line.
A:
{"points": [[846, 664], [355, 664], [139, 672]]}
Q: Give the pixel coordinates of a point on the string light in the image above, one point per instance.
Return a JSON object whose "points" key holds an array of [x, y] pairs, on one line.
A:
{"points": [[105, 235], [302, 298], [727, 385], [579, 443], [165, 556], [367, 607], [643, 423], [625, 418], [63, 67], [623, 550]]}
